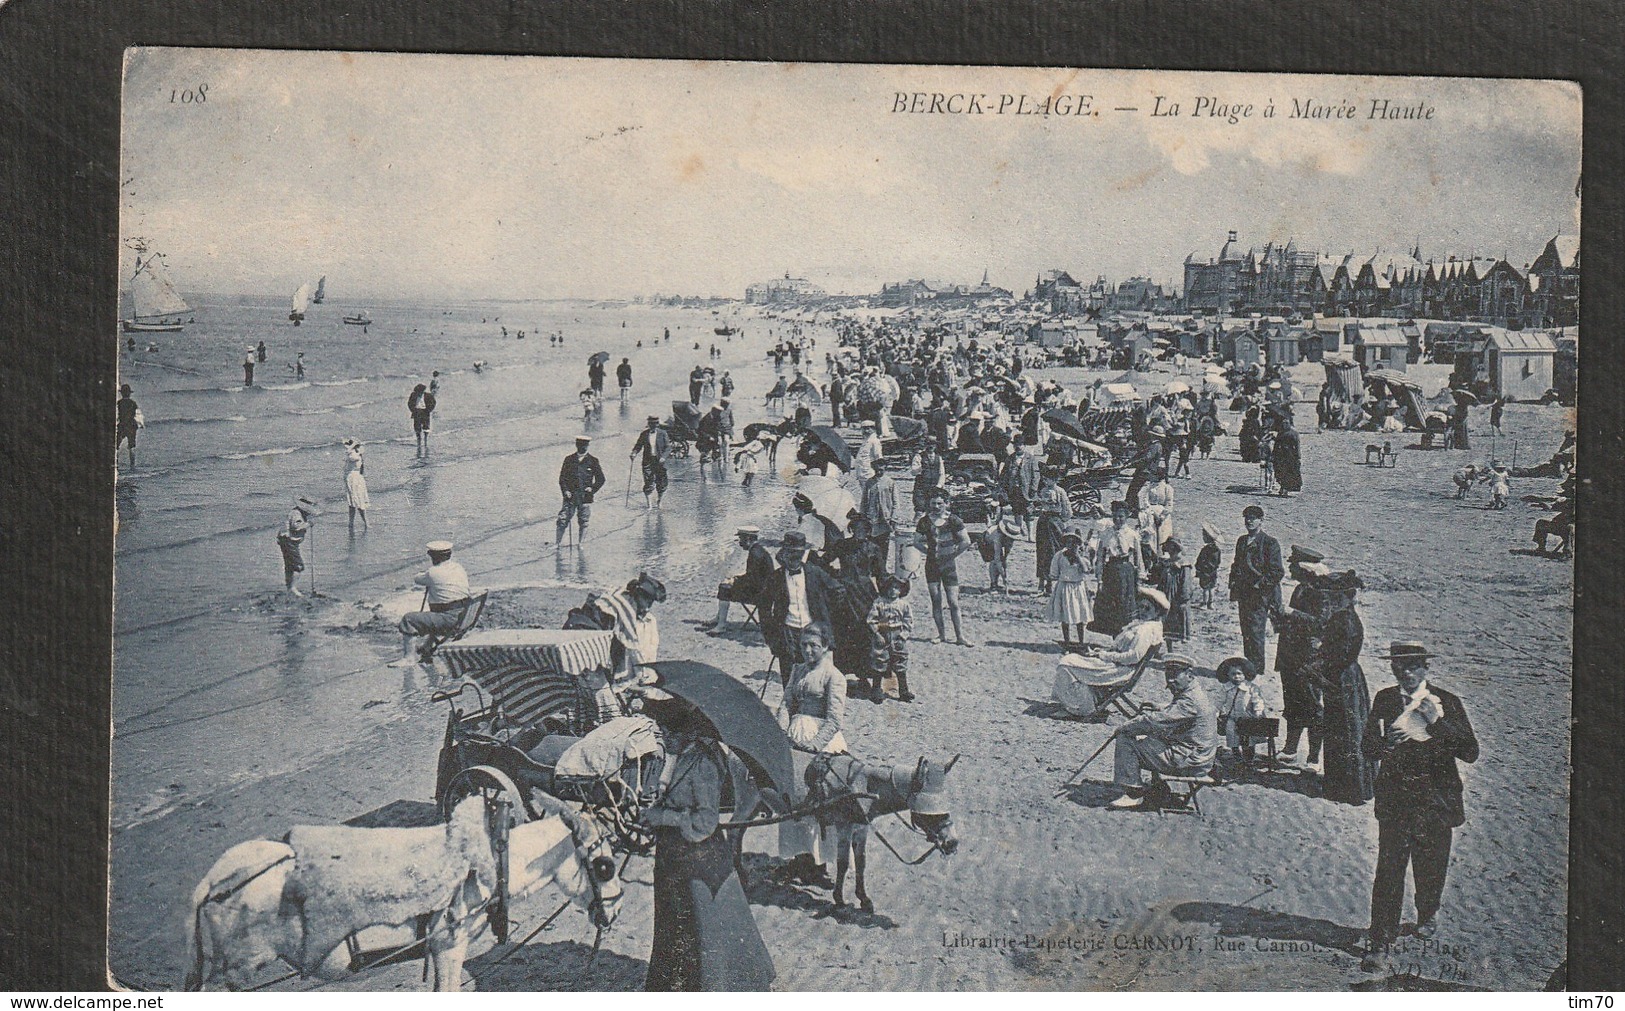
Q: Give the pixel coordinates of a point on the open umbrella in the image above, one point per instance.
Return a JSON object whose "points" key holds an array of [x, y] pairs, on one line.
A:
{"points": [[837, 445], [830, 499], [1066, 423], [1177, 387], [1464, 396], [803, 389], [741, 720], [602, 356]]}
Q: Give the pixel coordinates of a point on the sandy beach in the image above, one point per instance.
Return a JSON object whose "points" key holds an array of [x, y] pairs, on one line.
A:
{"points": [[1269, 890]]}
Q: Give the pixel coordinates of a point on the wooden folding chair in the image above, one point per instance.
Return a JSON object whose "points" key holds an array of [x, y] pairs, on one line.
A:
{"points": [[1117, 697], [1183, 790], [466, 621]]}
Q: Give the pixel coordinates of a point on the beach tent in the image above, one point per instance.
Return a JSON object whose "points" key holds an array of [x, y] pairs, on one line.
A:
{"points": [[1405, 391], [1343, 376], [1520, 363]]}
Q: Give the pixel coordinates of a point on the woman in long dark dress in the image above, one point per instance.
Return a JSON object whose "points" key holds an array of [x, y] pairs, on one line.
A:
{"points": [[1053, 510], [1347, 776], [1249, 435], [1287, 461], [705, 937], [1119, 566], [858, 564]]}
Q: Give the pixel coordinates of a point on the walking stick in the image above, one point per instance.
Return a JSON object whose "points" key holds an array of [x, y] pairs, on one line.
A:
{"points": [[1109, 739], [626, 502], [311, 536]]}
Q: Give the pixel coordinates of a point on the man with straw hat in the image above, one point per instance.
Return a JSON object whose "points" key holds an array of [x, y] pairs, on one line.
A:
{"points": [[445, 592], [248, 367], [1418, 733], [291, 539]]}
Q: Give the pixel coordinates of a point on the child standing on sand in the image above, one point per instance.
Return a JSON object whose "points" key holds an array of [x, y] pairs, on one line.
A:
{"points": [[1207, 563], [1239, 700], [1069, 600], [891, 622]]}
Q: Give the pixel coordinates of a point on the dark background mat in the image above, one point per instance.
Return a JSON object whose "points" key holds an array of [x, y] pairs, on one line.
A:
{"points": [[59, 135]]}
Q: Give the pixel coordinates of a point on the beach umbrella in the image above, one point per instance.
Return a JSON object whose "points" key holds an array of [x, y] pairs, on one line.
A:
{"points": [[740, 719], [830, 499], [1464, 396], [874, 390], [837, 445], [1177, 387], [600, 357]]}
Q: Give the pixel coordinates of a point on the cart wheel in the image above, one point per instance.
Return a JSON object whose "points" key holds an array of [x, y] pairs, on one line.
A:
{"points": [[490, 783], [1082, 499]]}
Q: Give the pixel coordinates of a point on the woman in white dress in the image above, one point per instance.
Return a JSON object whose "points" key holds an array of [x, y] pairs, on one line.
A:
{"points": [[355, 483], [811, 713]]}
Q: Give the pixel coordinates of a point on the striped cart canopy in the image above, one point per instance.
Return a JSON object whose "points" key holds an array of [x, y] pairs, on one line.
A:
{"points": [[530, 672]]}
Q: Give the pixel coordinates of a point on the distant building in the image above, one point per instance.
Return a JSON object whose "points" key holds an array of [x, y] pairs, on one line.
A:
{"points": [[1554, 283], [782, 291], [1060, 292], [905, 293]]}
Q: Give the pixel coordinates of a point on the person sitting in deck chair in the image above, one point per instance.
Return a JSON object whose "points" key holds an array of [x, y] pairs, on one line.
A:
{"points": [[1083, 681], [1181, 739], [446, 594]]}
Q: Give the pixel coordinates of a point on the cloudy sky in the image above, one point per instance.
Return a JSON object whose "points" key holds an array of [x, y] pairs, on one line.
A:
{"points": [[521, 177]]}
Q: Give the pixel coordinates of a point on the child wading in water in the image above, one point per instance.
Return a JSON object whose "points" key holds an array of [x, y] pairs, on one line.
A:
{"points": [[1069, 600], [1207, 563], [891, 622], [1239, 700]]}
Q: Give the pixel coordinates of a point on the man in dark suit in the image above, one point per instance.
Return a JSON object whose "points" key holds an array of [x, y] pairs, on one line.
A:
{"points": [[1418, 733], [794, 598], [1255, 583], [747, 587], [580, 477]]}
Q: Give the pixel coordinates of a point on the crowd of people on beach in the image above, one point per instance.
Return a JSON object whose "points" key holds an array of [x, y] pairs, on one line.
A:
{"points": [[997, 460]]}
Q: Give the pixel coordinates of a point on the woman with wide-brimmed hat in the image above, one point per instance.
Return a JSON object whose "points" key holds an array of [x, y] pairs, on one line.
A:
{"points": [[291, 539], [1069, 600], [1347, 774], [355, 483]]}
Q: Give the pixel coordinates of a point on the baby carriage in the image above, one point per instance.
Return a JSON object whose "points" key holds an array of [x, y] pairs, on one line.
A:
{"points": [[683, 427]]}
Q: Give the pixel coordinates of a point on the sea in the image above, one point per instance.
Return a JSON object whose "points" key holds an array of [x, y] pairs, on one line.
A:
{"points": [[219, 677]]}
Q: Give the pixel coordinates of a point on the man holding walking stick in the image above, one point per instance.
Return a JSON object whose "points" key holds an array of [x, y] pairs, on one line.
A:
{"points": [[580, 477]]}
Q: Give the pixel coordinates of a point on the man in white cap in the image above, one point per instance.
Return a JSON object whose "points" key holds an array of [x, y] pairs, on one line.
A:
{"points": [[291, 539], [445, 586], [580, 477], [745, 588], [1180, 739], [248, 367]]}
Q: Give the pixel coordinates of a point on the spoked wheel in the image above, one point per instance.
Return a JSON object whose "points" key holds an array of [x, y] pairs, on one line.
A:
{"points": [[1082, 499]]}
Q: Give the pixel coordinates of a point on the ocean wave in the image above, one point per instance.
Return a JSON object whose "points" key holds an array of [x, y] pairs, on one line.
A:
{"points": [[316, 410], [357, 406], [283, 387], [342, 382], [231, 418], [278, 451]]}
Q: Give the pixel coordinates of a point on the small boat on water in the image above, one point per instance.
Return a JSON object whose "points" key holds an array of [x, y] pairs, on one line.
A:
{"points": [[301, 302], [359, 319], [156, 306], [726, 331], [321, 291]]}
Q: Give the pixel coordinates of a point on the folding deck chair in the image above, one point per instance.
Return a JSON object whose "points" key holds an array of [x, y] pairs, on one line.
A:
{"points": [[1117, 697], [466, 621]]}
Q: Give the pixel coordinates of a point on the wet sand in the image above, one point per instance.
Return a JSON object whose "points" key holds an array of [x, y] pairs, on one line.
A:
{"points": [[1270, 890]]}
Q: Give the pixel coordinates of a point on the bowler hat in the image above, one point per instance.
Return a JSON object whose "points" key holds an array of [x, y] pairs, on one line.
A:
{"points": [[795, 540], [125, 389]]}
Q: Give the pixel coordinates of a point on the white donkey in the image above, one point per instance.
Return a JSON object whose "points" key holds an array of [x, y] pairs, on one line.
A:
{"points": [[302, 899]]}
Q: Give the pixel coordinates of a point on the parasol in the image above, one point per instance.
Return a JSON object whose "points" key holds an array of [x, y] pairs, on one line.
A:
{"points": [[1464, 396], [602, 356], [837, 445], [1177, 387], [740, 719], [873, 390], [830, 499], [1066, 423]]}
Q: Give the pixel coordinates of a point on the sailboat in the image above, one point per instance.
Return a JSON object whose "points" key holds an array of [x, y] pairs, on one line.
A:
{"points": [[359, 319], [321, 291], [158, 307], [301, 302]]}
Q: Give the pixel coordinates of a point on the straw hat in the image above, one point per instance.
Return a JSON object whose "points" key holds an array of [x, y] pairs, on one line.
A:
{"points": [[1407, 651], [307, 505], [1155, 596]]}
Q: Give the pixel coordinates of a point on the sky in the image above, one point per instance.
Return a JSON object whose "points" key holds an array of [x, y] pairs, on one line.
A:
{"points": [[457, 177]]}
